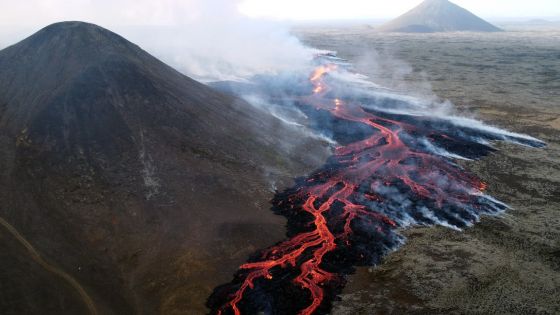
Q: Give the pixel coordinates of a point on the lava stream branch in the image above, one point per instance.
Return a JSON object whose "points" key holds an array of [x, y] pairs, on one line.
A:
{"points": [[346, 213]]}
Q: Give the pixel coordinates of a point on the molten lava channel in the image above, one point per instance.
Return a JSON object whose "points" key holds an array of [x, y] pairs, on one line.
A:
{"points": [[346, 213]]}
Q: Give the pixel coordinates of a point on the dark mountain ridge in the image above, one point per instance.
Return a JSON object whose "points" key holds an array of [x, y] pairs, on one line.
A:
{"points": [[145, 186], [438, 16]]}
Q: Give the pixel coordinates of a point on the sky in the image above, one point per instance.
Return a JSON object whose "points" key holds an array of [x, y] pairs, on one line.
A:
{"points": [[359, 9], [30, 12]]}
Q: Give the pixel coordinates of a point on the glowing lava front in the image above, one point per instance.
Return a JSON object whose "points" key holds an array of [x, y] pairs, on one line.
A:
{"points": [[346, 213]]}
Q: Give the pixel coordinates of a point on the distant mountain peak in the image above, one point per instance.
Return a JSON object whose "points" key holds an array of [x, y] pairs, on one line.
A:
{"points": [[438, 16]]}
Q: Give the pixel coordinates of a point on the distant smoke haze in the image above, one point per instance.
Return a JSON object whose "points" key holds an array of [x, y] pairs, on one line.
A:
{"points": [[206, 39], [211, 39]]}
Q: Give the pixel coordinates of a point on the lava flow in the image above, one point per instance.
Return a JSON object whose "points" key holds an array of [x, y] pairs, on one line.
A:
{"points": [[399, 171]]}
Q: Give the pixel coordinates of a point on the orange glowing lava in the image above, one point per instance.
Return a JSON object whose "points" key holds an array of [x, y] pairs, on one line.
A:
{"points": [[337, 198]]}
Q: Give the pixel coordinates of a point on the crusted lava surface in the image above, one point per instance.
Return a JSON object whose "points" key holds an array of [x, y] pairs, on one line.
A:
{"points": [[392, 168]]}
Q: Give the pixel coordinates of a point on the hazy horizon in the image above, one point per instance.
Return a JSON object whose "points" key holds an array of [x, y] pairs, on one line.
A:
{"points": [[178, 31], [172, 12]]}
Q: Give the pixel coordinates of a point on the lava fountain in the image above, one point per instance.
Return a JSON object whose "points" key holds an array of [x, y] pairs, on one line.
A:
{"points": [[399, 170]]}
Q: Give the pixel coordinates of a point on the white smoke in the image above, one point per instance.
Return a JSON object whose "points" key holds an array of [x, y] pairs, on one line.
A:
{"points": [[413, 100], [289, 116], [234, 49], [205, 39]]}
